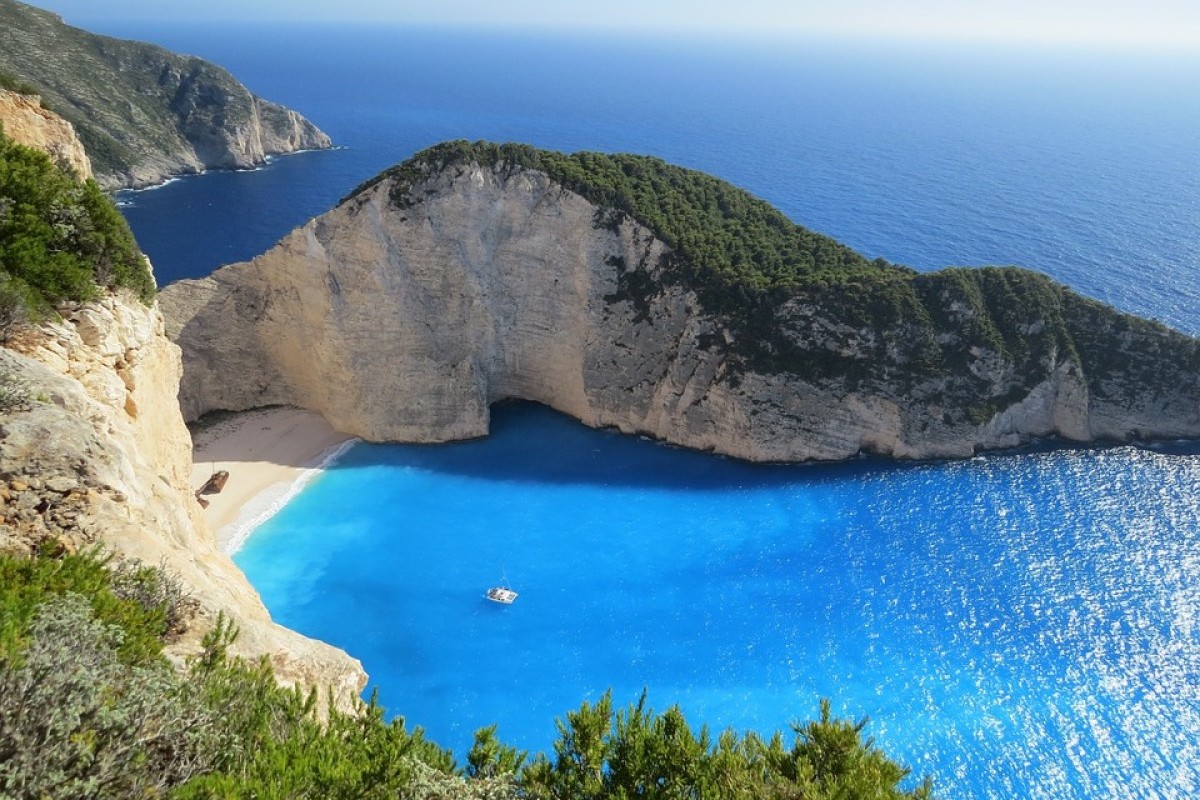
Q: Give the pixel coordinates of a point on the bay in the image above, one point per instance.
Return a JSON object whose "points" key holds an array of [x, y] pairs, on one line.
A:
{"points": [[1016, 625]]}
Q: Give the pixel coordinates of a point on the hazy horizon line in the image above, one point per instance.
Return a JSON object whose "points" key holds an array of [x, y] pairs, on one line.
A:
{"points": [[1186, 45]]}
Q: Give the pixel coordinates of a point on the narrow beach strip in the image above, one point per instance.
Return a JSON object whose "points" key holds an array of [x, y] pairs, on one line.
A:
{"points": [[270, 454]]}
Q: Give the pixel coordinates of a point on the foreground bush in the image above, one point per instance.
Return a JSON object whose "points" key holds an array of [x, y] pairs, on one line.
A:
{"points": [[142, 615], [279, 749], [638, 753], [85, 715], [76, 722]]}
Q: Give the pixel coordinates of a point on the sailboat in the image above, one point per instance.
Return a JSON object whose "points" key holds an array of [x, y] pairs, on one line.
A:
{"points": [[501, 594]]}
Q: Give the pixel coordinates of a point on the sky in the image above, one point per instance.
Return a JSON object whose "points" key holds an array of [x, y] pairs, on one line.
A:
{"points": [[1138, 23]]}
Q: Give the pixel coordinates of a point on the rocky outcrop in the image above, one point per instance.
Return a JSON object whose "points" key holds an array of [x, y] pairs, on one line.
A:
{"points": [[144, 113], [98, 453], [26, 122], [430, 294]]}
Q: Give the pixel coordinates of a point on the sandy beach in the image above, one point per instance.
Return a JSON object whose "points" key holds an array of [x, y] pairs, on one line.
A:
{"points": [[269, 455]]}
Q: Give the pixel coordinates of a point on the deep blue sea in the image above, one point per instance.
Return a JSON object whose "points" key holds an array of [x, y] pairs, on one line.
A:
{"points": [[1021, 625]]}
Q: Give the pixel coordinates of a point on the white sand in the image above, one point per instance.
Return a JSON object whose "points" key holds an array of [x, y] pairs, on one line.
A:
{"points": [[269, 454]]}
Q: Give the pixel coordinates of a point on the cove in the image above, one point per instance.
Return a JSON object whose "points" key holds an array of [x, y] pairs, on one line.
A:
{"points": [[1019, 625]]}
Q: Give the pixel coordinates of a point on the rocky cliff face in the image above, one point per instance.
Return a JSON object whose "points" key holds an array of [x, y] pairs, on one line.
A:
{"points": [[409, 309], [26, 122], [144, 113], [99, 453]]}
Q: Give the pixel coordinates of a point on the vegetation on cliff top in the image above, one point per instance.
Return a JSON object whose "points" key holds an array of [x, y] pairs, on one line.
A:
{"points": [[800, 303], [721, 232], [89, 707], [60, 239]]}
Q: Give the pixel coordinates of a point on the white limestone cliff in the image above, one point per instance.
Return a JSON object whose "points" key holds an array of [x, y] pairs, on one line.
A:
{"points": [[406, 321], [101, 455]]}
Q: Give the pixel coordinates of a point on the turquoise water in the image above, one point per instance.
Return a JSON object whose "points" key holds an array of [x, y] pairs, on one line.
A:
{"points": [[1016, 626]]}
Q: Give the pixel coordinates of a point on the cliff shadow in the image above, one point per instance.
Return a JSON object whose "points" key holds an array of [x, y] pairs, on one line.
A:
{"points": [[532, 443]]}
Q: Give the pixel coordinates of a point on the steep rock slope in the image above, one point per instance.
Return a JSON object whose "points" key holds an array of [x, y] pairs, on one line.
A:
{"points": [[99, 454], [145, 113], [26, 122], [476, 273]]}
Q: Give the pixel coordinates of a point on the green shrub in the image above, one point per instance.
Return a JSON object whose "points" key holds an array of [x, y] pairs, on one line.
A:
{"points": [[60, 239], [490, 758], [427, 783], [78, 722], [156, 591], [638, 753], [28, 583], [15, 84], [278, 748], [17, 303]]}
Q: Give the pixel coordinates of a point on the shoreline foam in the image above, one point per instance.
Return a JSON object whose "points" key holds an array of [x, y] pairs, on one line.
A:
{"points": [[271, 455], [269, 502]]}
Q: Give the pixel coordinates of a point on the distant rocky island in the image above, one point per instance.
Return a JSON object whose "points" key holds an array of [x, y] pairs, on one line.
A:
{"points": [[144, 114], [633, 294]]}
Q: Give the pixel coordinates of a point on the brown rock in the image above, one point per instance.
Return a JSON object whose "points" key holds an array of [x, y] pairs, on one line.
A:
{"points": [[26, 122]]}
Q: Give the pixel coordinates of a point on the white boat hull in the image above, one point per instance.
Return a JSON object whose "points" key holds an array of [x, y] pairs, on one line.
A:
{"points": [[499, 594]]}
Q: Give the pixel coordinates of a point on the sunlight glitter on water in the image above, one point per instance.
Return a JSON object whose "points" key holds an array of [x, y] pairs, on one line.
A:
{"points": [[1019, 625]]}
